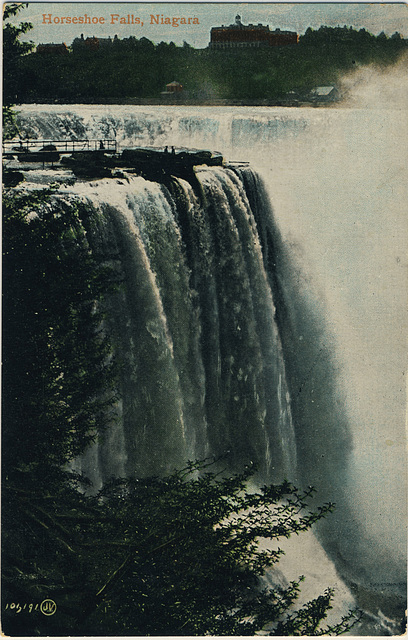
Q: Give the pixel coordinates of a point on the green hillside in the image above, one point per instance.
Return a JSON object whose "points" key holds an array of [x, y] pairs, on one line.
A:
{"points": [[132, 69]]}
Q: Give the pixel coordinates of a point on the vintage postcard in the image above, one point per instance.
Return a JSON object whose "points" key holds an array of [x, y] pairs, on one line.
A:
{"points": [[204, 319]]}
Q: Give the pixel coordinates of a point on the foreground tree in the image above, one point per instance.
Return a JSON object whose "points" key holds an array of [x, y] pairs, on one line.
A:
{"points": [[178, 555], [13, 76], [158, 556], [58, 374]]}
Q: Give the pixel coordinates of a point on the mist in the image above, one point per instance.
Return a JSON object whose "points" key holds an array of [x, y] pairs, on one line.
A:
{"points": [[340, 199], [374, 87]]}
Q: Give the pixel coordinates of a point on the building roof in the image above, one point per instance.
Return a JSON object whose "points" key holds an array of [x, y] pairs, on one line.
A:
{"points": [[174, 84], [239, 34], [52, 44], [323, 91]]}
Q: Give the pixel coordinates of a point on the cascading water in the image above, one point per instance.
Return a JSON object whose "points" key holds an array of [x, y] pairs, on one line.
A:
{"points": [[225, 345], [202, 370]]}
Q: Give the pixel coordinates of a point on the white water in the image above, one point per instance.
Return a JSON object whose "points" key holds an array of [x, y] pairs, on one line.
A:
{"points": [[336, 181]]}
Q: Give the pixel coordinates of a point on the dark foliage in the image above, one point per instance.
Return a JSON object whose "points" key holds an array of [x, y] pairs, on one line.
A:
{"points": [[14, 76], [131, 69], [157, 556], [57, 376]]}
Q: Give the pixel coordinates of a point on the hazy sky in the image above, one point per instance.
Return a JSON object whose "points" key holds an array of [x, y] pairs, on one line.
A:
{"points": [[375, 17]]}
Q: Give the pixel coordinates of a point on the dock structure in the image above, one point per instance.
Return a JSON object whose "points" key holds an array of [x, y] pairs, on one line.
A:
{"points": [[31, 150], [101, 158]]}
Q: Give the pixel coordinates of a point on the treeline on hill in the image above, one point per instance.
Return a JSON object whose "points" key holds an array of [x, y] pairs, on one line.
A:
{"points": [[138, 69]]}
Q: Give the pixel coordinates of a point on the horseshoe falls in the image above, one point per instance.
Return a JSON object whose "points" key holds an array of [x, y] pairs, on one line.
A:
{"points": [[263, 316], [202, 370]]}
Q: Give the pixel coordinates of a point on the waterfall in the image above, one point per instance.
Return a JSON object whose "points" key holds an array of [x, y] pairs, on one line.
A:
{"points": [[130, 126], [202, 368], [228, 343]]}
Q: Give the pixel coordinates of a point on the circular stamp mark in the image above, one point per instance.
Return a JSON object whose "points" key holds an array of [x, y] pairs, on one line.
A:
{"points": [[48, 607]]}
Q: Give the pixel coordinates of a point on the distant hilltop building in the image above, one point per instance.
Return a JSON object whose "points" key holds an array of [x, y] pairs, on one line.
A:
{"points": [[251, 35], [52, 48], [92, 44]]}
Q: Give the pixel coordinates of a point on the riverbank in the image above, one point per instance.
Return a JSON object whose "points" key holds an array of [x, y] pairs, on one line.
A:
{"points": [[191, 102]]}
